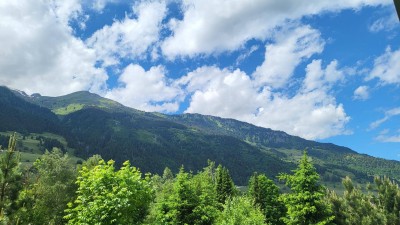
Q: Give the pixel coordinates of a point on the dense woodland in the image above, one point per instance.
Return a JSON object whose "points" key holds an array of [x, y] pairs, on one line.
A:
{"points": [[85, 124], [56, 191]]}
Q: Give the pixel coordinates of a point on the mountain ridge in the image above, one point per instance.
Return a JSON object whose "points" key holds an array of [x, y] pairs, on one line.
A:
{"points": [[153, 141]]}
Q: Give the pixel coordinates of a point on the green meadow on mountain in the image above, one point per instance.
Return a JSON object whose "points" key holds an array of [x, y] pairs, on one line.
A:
{"points": [[84, 159], [88, 124]]}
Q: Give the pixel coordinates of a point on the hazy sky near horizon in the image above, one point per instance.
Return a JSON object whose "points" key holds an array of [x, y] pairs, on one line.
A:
{"points": [[322, 70]]}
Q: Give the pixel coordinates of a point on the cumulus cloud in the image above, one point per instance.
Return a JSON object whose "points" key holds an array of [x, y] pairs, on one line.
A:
{"points": [[221, 92], [311, 114], [146, 90], [361, 93], [283, 56], [39, 52], [129, 38], [319, 78], [211, 27], [387, 67]]}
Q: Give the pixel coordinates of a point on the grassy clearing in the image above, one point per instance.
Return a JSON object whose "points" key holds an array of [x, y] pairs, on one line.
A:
{"points": [[68, 109], [31, 144]]}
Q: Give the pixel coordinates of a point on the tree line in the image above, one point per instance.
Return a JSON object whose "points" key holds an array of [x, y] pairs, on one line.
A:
{"points": [[55, 191]]}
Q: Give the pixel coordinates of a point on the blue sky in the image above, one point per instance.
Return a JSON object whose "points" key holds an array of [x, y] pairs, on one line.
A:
{"points": [[323, 70]]}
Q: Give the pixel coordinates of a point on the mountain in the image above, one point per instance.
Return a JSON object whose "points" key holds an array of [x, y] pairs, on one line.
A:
{"points": [[25, 117], [76, 101], [91, 125]]}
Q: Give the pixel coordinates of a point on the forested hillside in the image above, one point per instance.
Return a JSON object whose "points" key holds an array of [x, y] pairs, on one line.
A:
{"points": [[55, 191], [86, 124]]}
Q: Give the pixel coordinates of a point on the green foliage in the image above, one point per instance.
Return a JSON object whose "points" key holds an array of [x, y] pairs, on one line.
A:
{"points": [[388, 198], [240, 211], [45, 200], [224, 184], [356, 207], [265, 195], [188, 200], [106, 196], [92, 162], [305, 203], [381, 206], [10, 179]]}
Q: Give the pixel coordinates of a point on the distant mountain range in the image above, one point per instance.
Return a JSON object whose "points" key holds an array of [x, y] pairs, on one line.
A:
{"points": [[91, 125]]}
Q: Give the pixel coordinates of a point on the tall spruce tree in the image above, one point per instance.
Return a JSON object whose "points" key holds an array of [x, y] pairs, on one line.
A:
{"points": [[10, 178], [265, 195], [224, 184], [190, 199], [305, 203]]}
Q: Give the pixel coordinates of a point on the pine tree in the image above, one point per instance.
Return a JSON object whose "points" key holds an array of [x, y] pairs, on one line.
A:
{"points": [[190, 199], [388, 198], [10, 177], [224, 184], [305, 203], [265, 195], [356, 207]]}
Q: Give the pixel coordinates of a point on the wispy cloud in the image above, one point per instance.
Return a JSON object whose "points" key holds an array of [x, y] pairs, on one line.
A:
{"points": [[385, 137], [388, 114], [386, 23]]}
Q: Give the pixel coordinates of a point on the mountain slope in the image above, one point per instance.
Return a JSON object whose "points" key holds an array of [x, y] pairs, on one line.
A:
{"points": [[19, 115], [153, 141], [66, 104], [154, 144]]}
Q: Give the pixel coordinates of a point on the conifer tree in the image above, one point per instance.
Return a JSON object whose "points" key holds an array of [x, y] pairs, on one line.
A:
{"points": [[10, 177], [224, 184], [190, 199], [388, 198], [265, 195], [356, 207], [305, 203]]}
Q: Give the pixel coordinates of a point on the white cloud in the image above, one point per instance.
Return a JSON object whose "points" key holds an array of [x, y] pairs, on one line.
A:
{"points": [[99, 5], [282, 57], [387, 67], [130, 38], [39, 52], [388, 114], [221, 92], [310, 114], [361, 93], [246, 54], [384, 136], [216, 26], [65, 10], [146, 90], [386, 23], [319, 78]]}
